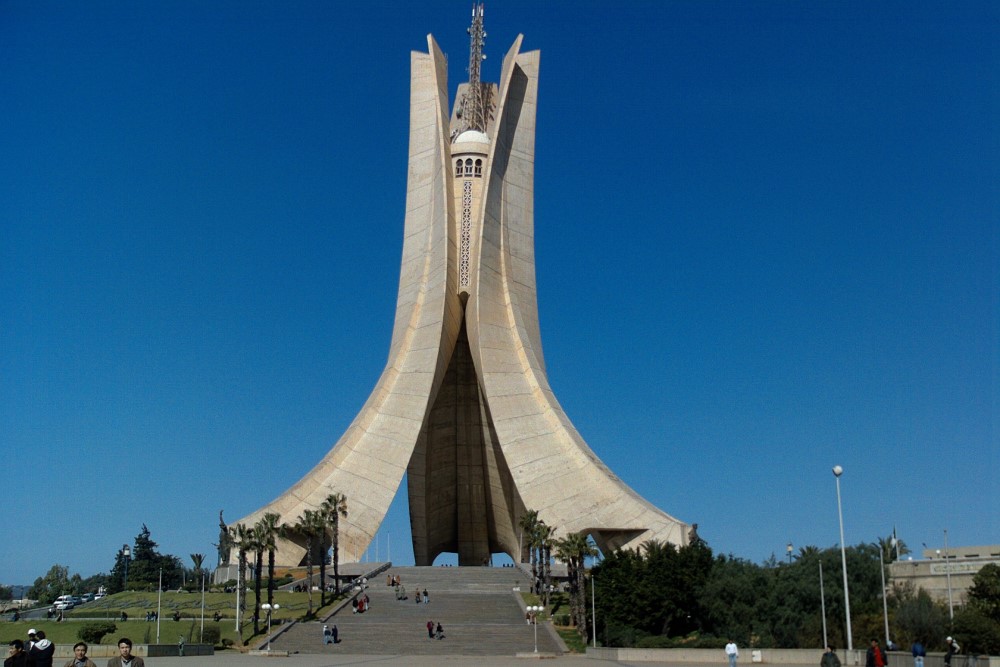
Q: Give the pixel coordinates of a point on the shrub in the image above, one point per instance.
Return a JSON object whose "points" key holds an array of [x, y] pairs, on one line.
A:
{"points": [[227, 642], [212, 635], [92, 633]]}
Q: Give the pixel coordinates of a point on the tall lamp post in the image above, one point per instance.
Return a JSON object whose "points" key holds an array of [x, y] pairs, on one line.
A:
{"points": [[947, 572], [837, 472], [268, 607], [822, 602], [127, 555], [789, 550], [534, 610]]}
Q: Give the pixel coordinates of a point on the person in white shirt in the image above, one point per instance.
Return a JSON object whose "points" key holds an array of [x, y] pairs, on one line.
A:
{"points": [[732, 653]]}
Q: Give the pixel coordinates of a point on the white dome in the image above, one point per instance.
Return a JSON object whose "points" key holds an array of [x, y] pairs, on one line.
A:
{"points": [[472, 136]]}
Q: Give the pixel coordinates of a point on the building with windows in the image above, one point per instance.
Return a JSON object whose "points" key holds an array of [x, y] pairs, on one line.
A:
{"points": [[942, 570]]}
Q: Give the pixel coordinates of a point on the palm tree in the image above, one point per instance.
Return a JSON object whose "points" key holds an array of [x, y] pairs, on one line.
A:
{"points": [[529, 527], [311, 526], [241, 537], [269, 531], [888, 545], [257, 544], [198, 560], [333, 508], [574, 549], [545, 544], [808, 552]]}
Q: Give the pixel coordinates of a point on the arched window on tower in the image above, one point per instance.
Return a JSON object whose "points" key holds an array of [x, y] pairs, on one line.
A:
{"points": [[458, 167], [468, 167], [479, 168]]}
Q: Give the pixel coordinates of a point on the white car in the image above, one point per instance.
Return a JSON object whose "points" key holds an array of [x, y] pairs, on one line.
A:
{"points": [[63, 602]]}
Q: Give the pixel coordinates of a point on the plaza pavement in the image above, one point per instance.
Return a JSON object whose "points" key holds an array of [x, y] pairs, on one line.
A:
{"points": [[335, 658]]}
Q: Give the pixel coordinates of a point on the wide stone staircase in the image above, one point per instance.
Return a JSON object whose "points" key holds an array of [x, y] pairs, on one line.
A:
{"points": [[476, 606]]}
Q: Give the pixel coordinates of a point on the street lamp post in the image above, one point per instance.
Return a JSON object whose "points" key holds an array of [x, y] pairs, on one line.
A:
{"points": [[822, 602], [534, 610], [789, 550], [127, 555], [947, 572], [268, 607], [837, 472], [593, 607]]}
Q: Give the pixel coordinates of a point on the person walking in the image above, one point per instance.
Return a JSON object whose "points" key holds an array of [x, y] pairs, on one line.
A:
{"points": [[327, 635], [919, 653], [440, 631], [732, 652], [430, 629], [427, 598], [829, 658]]}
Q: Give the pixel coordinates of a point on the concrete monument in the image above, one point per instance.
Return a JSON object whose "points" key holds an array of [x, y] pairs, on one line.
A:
{"points": [[463, 406]]}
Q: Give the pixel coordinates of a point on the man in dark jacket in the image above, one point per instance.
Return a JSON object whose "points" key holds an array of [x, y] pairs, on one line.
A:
{"points": [[16, 657], [41, 652], [876, 657]]}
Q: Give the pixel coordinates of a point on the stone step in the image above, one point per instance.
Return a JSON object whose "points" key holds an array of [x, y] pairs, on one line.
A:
{"points": [[476, 606]]}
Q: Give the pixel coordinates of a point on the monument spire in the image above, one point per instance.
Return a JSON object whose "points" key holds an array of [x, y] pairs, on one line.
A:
{"points": [[474, 107], [463, 409]]}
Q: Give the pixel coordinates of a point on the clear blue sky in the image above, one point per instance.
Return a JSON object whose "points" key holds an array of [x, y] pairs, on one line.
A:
{"points": [[767, 243]]}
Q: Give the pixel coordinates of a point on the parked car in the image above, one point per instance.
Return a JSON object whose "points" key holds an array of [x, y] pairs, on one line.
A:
{"points": [[63, 602]]}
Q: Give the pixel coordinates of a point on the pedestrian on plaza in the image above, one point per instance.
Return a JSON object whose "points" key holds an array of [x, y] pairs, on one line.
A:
{"points": [[953, 648], [876, 657], [16, 657], [125, 657], [427, 598], [829, 658], [440, 631], [41, 652], [732, 652], [430, 629], [80, 658], [919, 653], [417, 596], [335, 634], [32, 638], [327, 635]]}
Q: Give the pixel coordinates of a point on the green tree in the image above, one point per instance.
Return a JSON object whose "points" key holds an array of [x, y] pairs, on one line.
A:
{"points": [[6, 593], [257, 546], [146, 565], [198, 560], [334, 508], [241, 537], [918, 617], [976, 632], [574, 550], [311, 526], [984, 594], [56, 582], [269, 529], [529, 531]]}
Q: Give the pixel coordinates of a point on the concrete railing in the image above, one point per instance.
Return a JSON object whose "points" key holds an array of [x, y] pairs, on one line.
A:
{"points": [[775, 656], [95, 651]]}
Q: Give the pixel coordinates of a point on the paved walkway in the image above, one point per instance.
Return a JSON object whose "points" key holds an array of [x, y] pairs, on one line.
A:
{"points": [[302, 660]]}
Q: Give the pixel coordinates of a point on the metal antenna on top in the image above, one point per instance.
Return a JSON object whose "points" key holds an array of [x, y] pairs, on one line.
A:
{"points": [[474, 109]]}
